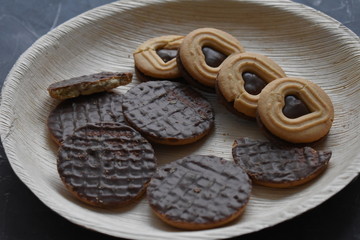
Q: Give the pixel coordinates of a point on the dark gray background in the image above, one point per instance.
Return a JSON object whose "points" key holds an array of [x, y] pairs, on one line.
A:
{"points": [[23, 216]]}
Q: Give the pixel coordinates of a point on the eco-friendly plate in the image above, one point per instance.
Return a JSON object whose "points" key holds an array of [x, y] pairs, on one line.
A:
{"points": [[303, 41]]}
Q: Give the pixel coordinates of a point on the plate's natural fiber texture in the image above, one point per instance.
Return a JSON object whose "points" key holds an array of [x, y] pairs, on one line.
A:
{"points": [[304, 42]]}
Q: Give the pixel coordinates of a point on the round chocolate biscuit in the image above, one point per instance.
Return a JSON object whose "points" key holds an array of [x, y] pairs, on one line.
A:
{"points": [[273, 166], [168, 112], [106, 164], [76, 112], [199, 192]]}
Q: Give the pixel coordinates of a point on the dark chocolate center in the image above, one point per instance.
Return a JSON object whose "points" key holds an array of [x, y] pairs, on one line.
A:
{"points": [[167, 54], [294, 107], [213, 58], [253, 83]]}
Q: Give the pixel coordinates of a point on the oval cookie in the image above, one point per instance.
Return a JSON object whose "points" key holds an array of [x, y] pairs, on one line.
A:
{"points": [[76, 112], [155, 59], [241, 79], [305, 127], [199, 192], [280, 167], [201, 55], [106, 165], [168, 112]]}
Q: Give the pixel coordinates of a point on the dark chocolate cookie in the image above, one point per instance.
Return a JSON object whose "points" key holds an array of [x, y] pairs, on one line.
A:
{"points": [[88, 84], [76, 112], [106, 164], [199, 192], [273, 166], [168, 112]]}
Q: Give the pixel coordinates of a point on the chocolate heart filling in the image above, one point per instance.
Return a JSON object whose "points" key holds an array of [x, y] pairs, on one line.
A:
{"points": [[253, 83], [294, 107], [213, 58], [167, 54]]}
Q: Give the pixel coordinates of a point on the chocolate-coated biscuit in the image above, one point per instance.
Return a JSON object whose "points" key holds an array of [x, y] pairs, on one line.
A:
{"points": [[155, 59], [241, 79], [88, 84], [76, 112], [199, 192], [168, 112], [202, 53], [295, 110], [270, 165], [106, 164]]}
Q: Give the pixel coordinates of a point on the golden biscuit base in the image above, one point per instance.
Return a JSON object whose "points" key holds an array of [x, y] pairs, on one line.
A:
{"points": [[231, 83], [150, 64], [304, 129], [192, 57]]}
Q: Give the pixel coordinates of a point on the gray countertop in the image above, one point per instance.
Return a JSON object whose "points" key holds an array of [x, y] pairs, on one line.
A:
{"points": [[23, 216]]}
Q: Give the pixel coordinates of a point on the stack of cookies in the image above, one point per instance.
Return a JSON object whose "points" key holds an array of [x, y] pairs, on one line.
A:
{"points": [[106, 158]]}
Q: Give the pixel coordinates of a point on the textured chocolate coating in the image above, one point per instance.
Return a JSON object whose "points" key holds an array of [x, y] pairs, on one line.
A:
{"points": [[199, 190], [294, 107], [168, 112], [167, 54], [213, 58], [253, 83], [268, 163], [76, 112], [107, 164]]}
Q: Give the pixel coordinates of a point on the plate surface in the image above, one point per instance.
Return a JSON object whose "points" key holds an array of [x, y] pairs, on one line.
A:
{"points": [[303, 41]]}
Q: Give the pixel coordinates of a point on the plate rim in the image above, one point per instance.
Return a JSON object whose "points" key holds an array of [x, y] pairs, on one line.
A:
{"points": [[13, 80]]}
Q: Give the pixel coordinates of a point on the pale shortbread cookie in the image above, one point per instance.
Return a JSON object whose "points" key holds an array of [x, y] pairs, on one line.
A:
{"points": [[156, 58], [307, 128], [192, 55], [240, 90]]}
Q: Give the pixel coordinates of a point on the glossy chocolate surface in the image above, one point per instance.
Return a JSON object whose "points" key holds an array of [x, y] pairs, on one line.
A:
{"points": [[167, 111], [106, 164], [76, 112], [253, 83], [213, 58], [266, 162], [294, 107], [199, 189], [167, 54]]}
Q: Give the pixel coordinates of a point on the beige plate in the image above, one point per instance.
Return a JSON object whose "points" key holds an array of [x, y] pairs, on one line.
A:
{"points": [[303, 41]]}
